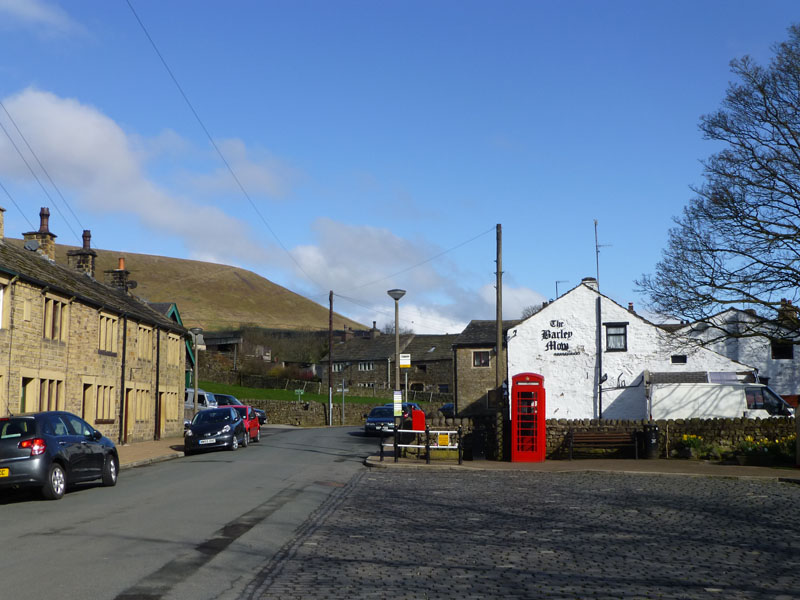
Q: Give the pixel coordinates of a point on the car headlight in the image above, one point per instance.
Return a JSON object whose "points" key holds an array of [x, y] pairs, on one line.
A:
{"points": [[188, 433], [226, 429]]}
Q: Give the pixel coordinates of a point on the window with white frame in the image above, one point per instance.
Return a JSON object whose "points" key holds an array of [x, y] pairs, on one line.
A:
{"points": [[366, 366], [338, 367]]}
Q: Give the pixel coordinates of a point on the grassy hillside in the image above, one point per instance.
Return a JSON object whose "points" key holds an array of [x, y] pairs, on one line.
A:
{"points": [[214, 296]]}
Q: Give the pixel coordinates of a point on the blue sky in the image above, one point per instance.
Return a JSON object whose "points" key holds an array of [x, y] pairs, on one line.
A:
{"points": [[370, 137]]}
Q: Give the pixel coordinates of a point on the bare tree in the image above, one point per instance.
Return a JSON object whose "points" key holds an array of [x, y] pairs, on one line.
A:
{"points": [[737, 243], [531, 310]]}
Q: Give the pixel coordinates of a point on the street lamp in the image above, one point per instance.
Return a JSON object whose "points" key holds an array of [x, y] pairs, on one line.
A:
{"points": [[396, 294], [195, 331]]}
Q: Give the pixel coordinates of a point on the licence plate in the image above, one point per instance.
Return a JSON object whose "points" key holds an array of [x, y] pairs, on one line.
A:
{"points": [[211, 441], [4, 472]]}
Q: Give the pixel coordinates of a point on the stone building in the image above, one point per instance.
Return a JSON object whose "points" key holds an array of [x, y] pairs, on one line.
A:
{"points": [[595, 354], [70, 342], [474, 360], [369, 363]]}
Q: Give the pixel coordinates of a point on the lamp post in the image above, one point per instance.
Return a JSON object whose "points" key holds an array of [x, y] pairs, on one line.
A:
{"points": [[195, 331], [396, 294]]}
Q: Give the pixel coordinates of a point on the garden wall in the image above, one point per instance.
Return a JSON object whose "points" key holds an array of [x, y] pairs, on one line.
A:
{"points": [[726, 433]]}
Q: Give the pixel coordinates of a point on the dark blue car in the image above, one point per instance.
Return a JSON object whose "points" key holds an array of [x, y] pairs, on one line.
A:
{"points": [[215, 428], [52, 449], [380, 421]]}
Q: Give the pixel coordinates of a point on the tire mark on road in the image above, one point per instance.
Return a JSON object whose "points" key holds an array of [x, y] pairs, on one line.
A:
{"points": [[158, 584]]}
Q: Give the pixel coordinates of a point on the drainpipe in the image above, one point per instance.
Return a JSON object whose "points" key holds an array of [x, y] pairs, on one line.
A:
{"points": [[123, 434], [599, 362], [159, 408], [10, 287]]}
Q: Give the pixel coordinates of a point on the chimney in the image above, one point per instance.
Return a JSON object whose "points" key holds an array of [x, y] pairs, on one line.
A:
{"points": [[2, 226], [83, 260], [47, 240], [374, 332], [118, 277], [630, 307], [348, 333], [590, 282]]}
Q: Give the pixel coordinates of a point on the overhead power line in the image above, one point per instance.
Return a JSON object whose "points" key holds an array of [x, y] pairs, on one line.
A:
{"points": [[36, 177], [216, 148], [14, 202], [44, 170]]}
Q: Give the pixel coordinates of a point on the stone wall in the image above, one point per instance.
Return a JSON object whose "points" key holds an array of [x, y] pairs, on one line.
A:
{"points": [[722, 432], [474, 383]]}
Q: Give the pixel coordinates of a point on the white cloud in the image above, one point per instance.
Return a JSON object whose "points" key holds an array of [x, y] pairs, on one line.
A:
{"points": [[258, 172], [44, 17], [356, 262], [93, 160]]}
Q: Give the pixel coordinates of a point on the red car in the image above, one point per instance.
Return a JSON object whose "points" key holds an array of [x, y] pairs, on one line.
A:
{"points": [[251, 423]]}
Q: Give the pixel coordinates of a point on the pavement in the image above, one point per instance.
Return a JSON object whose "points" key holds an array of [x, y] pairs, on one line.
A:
{"points": [[144, 453]]}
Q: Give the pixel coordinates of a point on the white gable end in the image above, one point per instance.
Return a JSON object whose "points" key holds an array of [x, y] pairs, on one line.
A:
{"points": [[561, 343]]}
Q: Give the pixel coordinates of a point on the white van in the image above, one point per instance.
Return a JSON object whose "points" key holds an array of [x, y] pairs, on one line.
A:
{"points": [[715, 400], [204, 399]]}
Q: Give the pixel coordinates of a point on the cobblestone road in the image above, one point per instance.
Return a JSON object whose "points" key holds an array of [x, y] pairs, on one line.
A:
{"points": [[431, 534]]}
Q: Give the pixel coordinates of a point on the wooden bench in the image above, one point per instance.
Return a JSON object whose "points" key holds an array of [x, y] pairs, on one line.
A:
{"points": [[602, 439]]}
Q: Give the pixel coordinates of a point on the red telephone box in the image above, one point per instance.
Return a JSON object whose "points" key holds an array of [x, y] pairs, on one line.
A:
{"points": [[528, 440]]}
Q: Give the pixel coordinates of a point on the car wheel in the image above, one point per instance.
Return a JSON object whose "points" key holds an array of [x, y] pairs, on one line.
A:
{"points": [[245, 438], [110, 471], [258, 435], [56, 483], [234, 443]]}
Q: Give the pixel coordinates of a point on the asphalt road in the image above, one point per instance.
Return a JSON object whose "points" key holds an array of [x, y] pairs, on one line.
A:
{"points": [[196, 528], [299, 516]]}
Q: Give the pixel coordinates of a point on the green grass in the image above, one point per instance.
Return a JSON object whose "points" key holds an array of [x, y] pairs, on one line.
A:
{"points": [[287, 395]]}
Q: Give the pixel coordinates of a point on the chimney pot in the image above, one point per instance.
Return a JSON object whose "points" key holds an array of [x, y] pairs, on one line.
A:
{"points": [[87, 239], [121, 263], [44, 220]]}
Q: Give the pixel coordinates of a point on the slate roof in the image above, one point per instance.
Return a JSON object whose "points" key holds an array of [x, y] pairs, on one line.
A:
{"points": [[422, 347], [483, 333], [380, 348], [431, 347], [34, 268]]}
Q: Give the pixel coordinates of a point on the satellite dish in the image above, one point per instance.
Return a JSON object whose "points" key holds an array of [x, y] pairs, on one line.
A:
{"points": [[132, 285], [31, 245]]}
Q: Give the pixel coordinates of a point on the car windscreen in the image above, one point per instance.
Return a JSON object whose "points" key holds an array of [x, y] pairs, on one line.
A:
{"points": [[212, 416], [226, 399], [242, 410], [381, 412], [16, 427]]}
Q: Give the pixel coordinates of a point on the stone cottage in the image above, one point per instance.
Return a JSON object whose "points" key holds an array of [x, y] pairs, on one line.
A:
{"points": [[70, 342]]}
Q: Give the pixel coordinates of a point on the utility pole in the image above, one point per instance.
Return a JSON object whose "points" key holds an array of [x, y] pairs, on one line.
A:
{"points": [[498, 378]]}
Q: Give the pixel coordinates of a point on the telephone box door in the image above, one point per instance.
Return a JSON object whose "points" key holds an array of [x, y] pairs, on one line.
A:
{"points": [[528, 440]]}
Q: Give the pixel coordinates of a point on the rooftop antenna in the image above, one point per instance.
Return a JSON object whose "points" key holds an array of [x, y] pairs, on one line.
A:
{"points": [[557, 282], [597, 247]]}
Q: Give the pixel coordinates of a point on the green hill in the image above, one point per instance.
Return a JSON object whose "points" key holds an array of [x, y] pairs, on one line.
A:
{"points": [[213, 296]]}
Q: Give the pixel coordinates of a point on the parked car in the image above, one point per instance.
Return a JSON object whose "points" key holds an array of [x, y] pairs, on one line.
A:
{"points": [[251, 424], [215, 428], [204, 399], [448, 410], [51, 450], [227, 399], [380, 421]]}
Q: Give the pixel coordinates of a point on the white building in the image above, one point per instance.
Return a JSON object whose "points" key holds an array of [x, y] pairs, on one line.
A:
{"points": [[583, 337], [766, 345]]}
